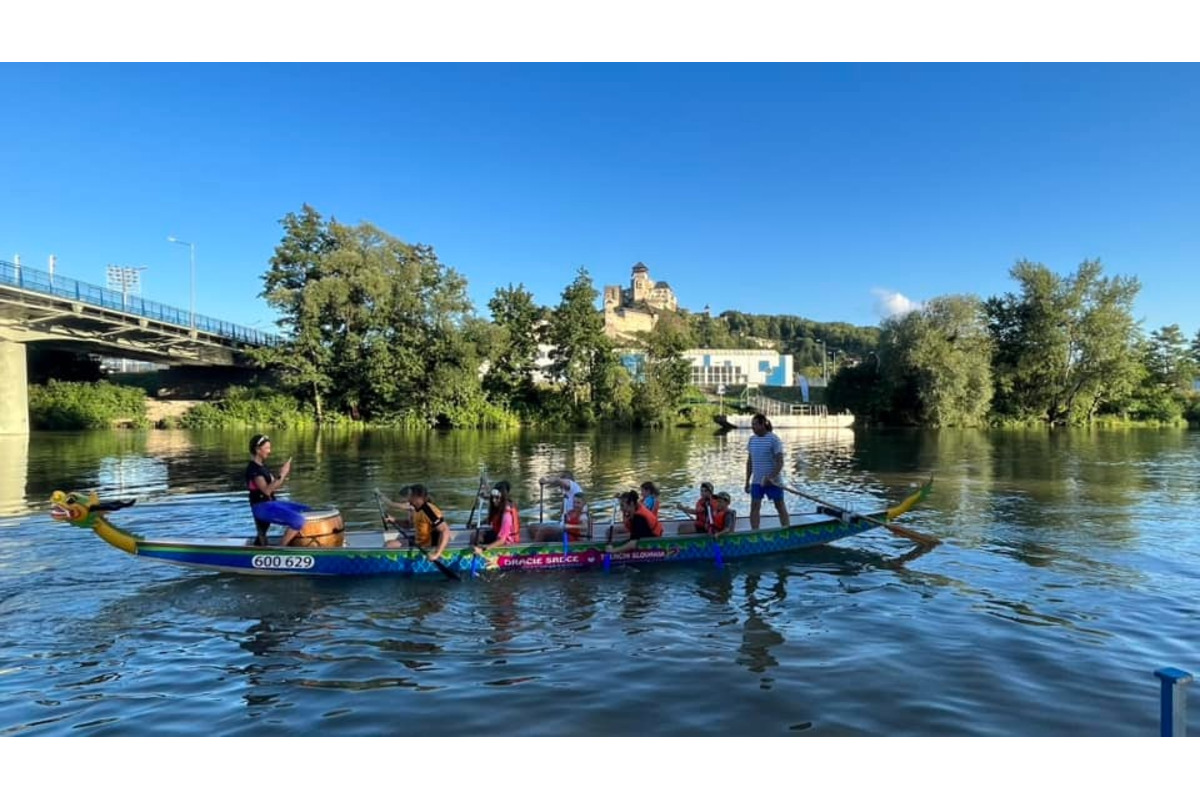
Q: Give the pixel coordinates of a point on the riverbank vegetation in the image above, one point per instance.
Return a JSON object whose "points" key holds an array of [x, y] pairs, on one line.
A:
{"points": [[379, 329], [68, 406], [380, 332], [1061, 350]]}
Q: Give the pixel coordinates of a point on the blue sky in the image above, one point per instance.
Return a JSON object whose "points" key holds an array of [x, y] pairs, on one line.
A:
{"points": [[815, 190]]}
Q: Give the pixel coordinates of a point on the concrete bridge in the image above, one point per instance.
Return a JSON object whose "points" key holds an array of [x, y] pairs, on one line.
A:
{"points": [[38, 306]]}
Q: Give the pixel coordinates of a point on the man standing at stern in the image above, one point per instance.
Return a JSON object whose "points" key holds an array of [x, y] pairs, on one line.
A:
{"points": [[764, 465]]}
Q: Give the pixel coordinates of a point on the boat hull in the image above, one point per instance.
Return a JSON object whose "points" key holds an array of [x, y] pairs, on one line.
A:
{"points": [[814, 530], [384, 553]]}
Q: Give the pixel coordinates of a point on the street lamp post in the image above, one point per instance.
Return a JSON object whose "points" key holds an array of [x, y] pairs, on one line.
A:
{"points": [[192, 248]]}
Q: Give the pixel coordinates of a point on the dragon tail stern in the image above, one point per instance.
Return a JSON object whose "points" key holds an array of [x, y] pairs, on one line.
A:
{"points": [[906, 505]]}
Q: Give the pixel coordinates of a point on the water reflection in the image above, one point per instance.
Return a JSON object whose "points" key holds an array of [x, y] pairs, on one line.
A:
{"points": [[758, 637], [266, 639], [1063, 552], [638, 601], [752, 606]]}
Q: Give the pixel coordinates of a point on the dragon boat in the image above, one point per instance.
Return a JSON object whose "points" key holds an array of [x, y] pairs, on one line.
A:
{"points": [[330, 551]]}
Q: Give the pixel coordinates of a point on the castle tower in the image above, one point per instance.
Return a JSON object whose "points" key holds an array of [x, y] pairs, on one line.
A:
{"points": [[641, 287], [612, 297]]}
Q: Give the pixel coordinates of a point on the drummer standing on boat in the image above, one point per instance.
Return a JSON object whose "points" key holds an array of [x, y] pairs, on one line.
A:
{"points": [[764, 466]]}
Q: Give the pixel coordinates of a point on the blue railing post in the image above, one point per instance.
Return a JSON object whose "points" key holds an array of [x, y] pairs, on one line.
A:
{"points": [[1173, 701]]}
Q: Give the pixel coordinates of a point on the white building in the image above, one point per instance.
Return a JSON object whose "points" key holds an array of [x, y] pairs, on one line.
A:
{"points": [[739, 368], [727, 367]]}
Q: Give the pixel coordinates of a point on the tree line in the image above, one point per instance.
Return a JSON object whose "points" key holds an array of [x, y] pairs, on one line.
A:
{"points": [[1061, 350], [381, 331]]}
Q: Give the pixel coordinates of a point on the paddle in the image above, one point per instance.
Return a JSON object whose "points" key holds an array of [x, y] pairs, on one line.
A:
{"points": [[412, 541], [899, 530], [611, 524], [475, 507], [565, 538]]}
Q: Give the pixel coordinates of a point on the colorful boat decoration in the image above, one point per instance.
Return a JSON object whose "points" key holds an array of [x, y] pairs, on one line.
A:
{"points": [[367, 553]]}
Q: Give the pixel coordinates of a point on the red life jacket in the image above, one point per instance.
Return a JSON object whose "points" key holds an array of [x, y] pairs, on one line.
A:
{"points": [[702, 515], [574, 518], [651, 519]]}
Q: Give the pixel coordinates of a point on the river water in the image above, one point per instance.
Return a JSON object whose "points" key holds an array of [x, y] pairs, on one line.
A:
{"points": [[1069, 572]]}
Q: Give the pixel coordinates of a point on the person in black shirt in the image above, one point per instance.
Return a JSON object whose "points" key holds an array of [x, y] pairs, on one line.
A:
{"points": [[640, 522], [263, 485]]}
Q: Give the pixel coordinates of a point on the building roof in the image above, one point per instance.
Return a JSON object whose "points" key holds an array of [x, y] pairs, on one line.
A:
{"points": [[640, 267], [662, 285]]}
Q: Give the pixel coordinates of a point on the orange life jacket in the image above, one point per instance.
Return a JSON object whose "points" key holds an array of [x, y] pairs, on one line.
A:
{"points": [[651, 519], [718, 520], [702, 514], [574, 518]]}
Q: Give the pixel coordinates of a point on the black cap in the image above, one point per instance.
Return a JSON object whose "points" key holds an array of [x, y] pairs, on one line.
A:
{"points": [[257, 441]]}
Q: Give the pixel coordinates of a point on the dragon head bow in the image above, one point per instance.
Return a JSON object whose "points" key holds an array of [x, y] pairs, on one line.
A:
{"points": [[77, 510]]}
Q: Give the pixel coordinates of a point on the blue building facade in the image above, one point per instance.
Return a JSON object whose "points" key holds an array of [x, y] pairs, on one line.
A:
{"points": [[725, 367]]}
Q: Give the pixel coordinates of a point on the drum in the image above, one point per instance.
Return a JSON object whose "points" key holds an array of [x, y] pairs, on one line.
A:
{"points": [[322, 528]]}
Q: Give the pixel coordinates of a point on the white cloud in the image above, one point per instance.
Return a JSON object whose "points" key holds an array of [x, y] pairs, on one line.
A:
{"points": [[893, 304]]}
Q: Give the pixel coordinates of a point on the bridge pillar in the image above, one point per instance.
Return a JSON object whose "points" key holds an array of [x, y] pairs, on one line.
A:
{"points": [[14, 389]]}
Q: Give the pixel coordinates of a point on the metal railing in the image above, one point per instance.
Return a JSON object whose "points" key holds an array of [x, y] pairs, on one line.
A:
{"points": [[778, 408], [36, 280]]}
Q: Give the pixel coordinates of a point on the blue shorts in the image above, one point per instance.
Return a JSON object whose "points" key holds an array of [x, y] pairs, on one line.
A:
{"points": [[773, 492], [280, 512]]}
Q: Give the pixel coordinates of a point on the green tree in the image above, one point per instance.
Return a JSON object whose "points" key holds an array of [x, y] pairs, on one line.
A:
{"points": [[934, 366], [667, 373], [518, 321], [301, 360], [1168, 360], [580, 352], [377, 327], [1064, 346], [861, 388]]}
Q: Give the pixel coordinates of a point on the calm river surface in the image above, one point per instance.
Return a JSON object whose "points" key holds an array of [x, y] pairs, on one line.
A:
{"points": [[1070, 570]]}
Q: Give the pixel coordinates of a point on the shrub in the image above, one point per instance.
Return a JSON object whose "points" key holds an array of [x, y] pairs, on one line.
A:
{"points": [[65, 406], [255, 407]]}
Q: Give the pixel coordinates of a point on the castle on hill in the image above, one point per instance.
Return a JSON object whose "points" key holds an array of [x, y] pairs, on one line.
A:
{"points": [[636, 309]]}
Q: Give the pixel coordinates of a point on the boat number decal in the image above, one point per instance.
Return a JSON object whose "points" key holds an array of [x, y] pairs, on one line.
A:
{"points": [[282, 562]]}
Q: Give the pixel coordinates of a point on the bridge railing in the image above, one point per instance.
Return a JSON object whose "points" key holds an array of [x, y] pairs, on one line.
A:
{"points": [[36, 280]]}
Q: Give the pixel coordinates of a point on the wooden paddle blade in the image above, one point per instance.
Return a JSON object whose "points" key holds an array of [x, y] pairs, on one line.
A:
{"points": [[908, 533]]}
